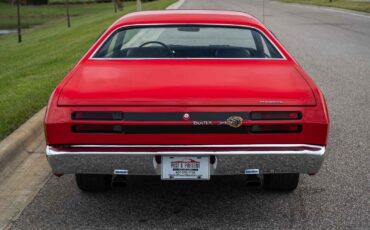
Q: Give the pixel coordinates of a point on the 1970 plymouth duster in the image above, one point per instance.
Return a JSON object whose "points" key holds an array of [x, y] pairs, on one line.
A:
{"points": [[186, 94]]}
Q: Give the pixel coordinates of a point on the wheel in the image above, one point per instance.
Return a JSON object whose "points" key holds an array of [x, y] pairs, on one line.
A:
{"points": [[281, 182], [93, 182]]}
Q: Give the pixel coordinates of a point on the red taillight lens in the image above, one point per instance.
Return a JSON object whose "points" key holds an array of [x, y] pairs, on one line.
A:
{"points": [[97, 116], [276, 115], [276, 128], [97, 128]]}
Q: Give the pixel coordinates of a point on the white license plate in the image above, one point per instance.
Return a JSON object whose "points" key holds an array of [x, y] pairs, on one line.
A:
{"points": [[185, 168]]}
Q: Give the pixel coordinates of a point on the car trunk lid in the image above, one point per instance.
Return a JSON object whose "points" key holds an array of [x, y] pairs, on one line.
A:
{"points": [[186, 83]]}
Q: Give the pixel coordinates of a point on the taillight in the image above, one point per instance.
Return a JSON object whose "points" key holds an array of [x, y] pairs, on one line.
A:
{"points": [[97, 116], [156, 129], [97, 128], [276, 115], [184, 129], [276, 128]]}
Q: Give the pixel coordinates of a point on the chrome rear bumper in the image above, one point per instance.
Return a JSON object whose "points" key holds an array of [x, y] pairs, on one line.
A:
{"points": [[230, 159]]}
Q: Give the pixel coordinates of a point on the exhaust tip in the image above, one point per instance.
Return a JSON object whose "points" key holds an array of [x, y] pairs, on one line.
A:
{"points": [[254, 180], [119, 181]]}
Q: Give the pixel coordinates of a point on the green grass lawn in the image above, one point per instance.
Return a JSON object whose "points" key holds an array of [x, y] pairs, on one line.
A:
{"points": [[29, 71], [32, 15], [344, 4]]}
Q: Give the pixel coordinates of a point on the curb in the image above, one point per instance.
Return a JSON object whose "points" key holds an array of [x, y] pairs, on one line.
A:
{"points": [[176, 5], [17, 143], [20, 140]]}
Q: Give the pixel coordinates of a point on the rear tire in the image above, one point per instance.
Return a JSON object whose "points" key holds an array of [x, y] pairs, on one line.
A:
{"points": [[285, 182], [94, 182]]}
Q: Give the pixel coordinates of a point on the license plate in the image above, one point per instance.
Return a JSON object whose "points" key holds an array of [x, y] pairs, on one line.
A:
{"points": [[185, 168]]}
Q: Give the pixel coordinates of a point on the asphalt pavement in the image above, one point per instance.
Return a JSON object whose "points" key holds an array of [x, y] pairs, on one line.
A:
{"points": [[333, 46]]}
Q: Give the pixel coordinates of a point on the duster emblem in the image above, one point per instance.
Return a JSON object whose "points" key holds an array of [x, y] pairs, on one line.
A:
{"points": [[234, 121]]}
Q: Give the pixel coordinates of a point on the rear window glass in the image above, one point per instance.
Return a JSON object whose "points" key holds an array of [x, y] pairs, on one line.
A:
{"points": [[187, 41]]}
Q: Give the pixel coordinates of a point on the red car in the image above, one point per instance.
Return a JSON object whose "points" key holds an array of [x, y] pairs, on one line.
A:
{"points": [[187, 94]]}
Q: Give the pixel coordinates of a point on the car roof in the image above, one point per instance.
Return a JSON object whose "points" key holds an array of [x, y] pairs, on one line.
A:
{"points": [[189, 16]]}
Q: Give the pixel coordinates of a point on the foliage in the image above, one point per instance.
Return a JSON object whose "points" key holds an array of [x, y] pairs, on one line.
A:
{"points": [[38, 2], [29, 71]]}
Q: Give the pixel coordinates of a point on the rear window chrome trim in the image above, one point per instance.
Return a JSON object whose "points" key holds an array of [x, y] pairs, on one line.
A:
{"points": [[91, 57]]}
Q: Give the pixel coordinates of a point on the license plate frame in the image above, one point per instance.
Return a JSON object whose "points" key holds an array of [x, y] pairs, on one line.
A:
{"points": [[185, 168]]}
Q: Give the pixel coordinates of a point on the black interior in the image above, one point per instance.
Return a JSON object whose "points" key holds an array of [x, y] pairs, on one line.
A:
{"points": [[112, 48], [187, 52]]}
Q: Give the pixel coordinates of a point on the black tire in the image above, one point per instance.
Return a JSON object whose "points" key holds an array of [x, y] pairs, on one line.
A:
{"points": [[285, 182], [94, 182]]}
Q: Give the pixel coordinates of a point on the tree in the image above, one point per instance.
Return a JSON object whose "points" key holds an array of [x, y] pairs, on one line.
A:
{"points": [[19, 21], [67, 12], [138, 5]]}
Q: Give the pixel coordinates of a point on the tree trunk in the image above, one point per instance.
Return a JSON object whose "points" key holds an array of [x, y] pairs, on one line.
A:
{"points": [[138, 5]]}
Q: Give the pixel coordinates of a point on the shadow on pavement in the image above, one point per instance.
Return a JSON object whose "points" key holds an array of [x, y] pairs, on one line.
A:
{"points": [[148, 202]]}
